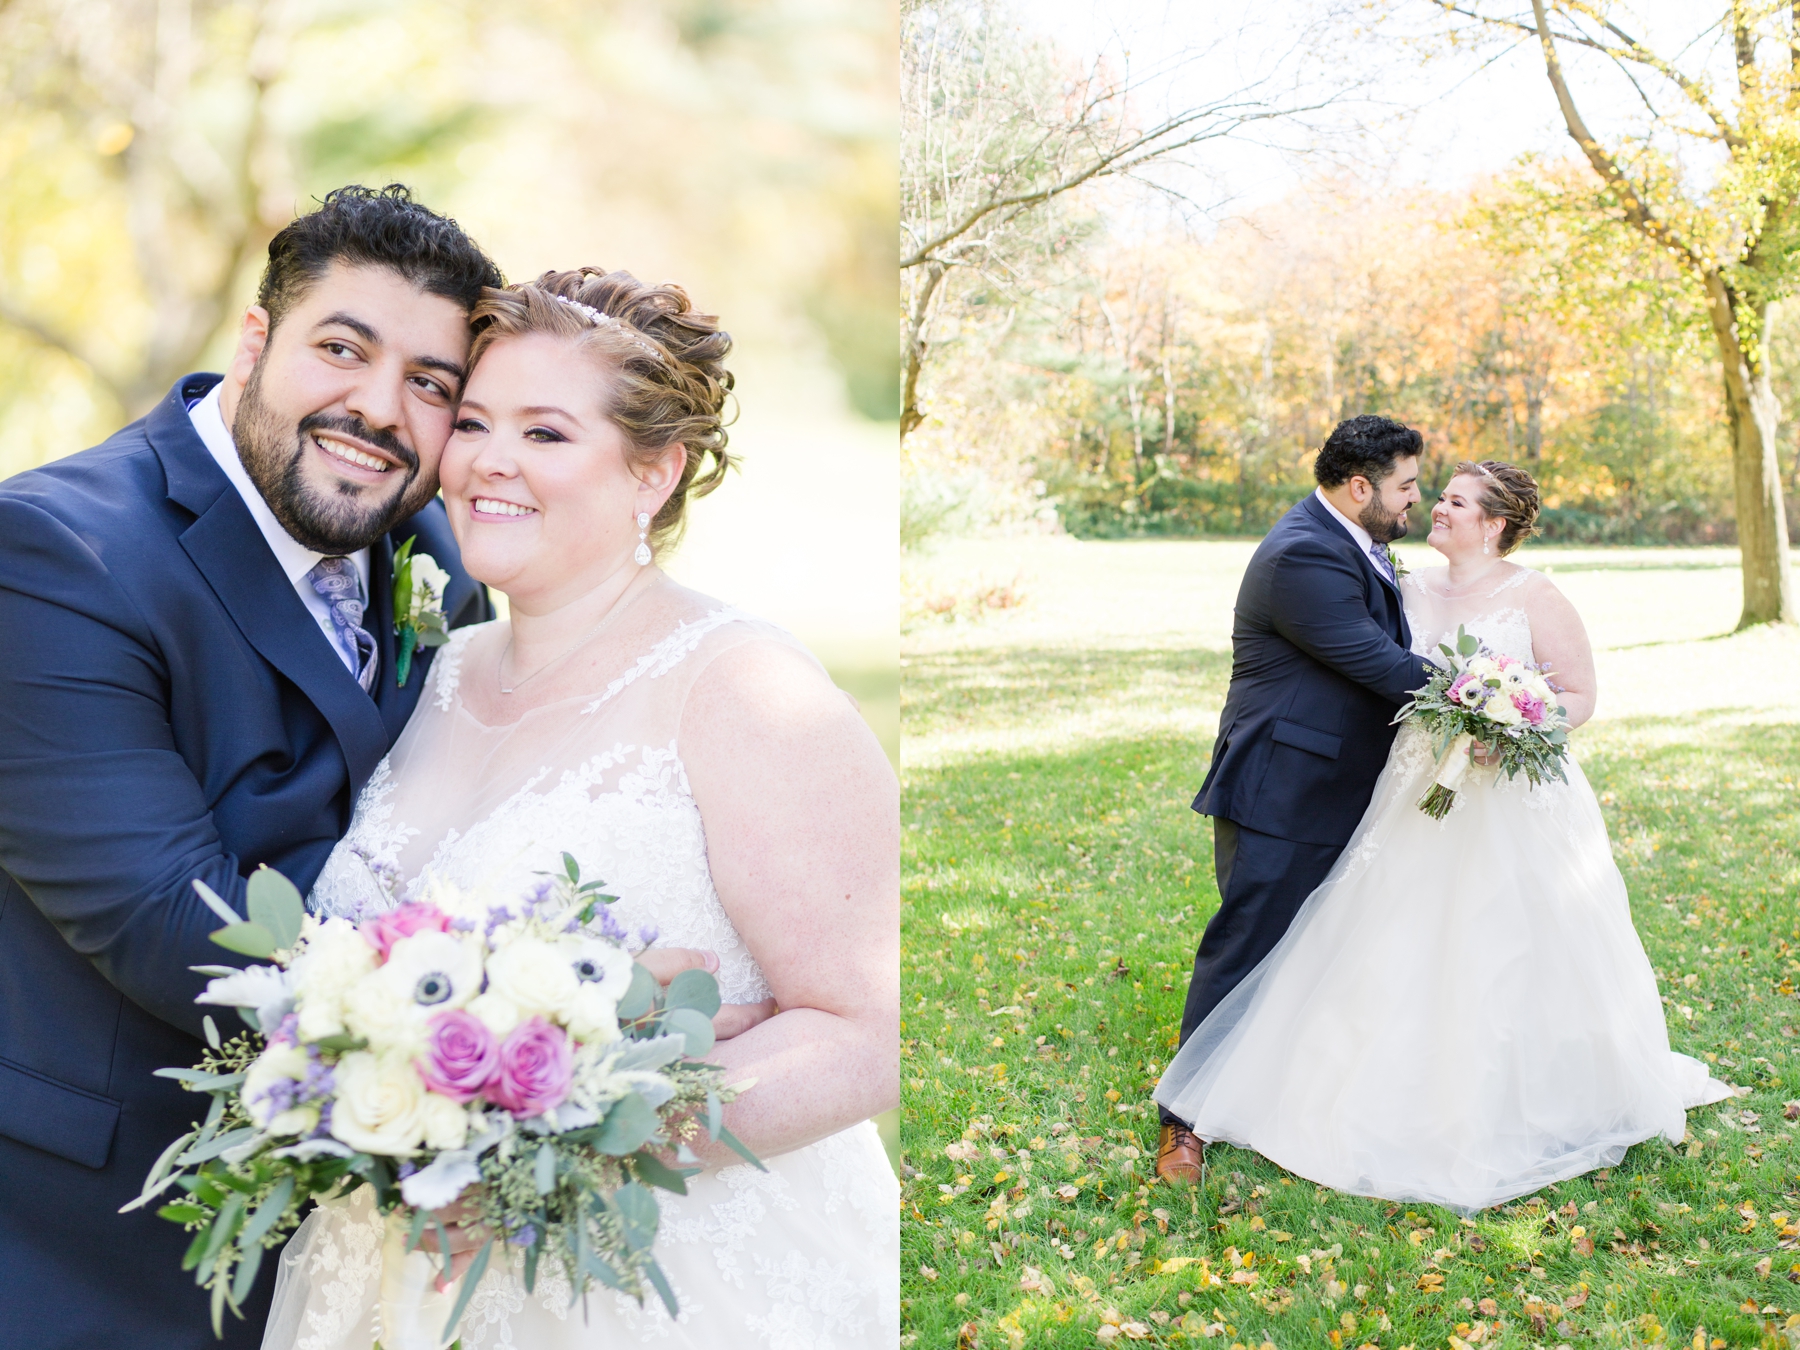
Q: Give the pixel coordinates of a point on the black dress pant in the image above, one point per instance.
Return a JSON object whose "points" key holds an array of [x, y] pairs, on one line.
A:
{"points": [[1263, 881]]}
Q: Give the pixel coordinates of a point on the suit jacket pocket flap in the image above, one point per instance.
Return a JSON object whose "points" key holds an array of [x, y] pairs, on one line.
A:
{"points": [[55, 1117], [1307, 738]]}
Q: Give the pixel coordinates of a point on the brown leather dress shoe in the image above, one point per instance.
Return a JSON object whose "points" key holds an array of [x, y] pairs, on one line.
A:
{"points": [[1179, 1157]]}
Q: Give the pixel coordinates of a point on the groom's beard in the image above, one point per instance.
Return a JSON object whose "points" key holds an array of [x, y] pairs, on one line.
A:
{"points": [[1382, 526], [334, 523]]}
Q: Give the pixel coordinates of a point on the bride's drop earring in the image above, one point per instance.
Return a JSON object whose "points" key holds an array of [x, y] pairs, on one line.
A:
{"points": [[642, 556], [1484, 545]]}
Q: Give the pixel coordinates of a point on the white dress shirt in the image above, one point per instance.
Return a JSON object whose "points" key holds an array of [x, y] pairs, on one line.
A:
{"points": [[294, 558]]}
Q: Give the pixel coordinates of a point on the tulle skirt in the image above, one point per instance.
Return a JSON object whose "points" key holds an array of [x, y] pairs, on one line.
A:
{"points": [[805, 1256], [1460, 1014]]}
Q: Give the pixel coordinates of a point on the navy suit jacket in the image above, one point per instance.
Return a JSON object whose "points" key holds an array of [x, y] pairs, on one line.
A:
{"points": [[169, 710], [1319, 666]]}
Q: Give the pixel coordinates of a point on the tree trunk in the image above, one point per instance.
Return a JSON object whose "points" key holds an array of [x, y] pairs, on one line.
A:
{"points": [[1754, 414], [910, 416]]}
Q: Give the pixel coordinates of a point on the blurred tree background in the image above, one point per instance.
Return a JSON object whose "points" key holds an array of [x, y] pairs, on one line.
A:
{"points": [[746, 148], [1125, 374]]}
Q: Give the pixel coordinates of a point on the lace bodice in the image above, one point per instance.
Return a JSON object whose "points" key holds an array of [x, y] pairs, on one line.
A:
{"points": [[1495, 613], [597, 774], [802, 1254]]}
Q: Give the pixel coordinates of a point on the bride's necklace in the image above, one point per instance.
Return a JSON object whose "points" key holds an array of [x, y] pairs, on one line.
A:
{"points": [[618, 607], [1462, 591]]}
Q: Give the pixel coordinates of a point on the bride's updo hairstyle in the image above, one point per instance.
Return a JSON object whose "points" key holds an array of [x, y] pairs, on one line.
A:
{"points": [[664, 364], [1507, 493]]}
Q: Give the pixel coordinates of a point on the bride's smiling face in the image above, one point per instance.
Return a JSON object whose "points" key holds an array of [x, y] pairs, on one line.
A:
{"points": [[1459, 526], [541, 486]]}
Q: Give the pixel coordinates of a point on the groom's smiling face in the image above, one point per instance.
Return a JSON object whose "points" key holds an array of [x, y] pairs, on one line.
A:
{"points": [[1384, 514], [341, 410]]}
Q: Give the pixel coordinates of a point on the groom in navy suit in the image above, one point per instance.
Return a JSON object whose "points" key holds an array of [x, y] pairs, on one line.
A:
{"points": [[1319, 665], [197, 624]]}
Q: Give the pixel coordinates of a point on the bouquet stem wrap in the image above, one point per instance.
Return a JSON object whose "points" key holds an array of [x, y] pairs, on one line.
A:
{"points": [[413, 1312], [1451, 767]]}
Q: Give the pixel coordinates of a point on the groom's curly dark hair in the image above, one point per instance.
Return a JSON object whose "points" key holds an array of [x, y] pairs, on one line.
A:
{"points": [[1364, 447], [369, 227]]}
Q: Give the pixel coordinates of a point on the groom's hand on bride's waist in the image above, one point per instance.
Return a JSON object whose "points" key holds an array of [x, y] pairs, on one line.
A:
{"points": [[732, 1019]]}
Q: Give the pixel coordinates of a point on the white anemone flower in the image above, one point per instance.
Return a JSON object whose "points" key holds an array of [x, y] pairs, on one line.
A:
{"points": [[437, 971], [599, 963]]}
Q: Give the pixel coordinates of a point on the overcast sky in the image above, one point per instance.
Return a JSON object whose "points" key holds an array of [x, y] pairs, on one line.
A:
{"points": [[1426, 117]]}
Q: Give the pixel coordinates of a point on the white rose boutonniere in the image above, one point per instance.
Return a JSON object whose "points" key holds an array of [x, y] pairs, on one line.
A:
{"points": [[1394, 562], [419, 585]]}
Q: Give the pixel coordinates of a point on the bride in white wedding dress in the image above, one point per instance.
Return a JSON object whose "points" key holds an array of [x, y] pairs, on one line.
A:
{"points": [[1462, 1012], [699, 761]]}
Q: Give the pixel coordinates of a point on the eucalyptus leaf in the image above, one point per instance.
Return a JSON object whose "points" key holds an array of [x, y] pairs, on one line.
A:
{"points": [[544, 1169], [654, 1273], [696, 1027], [572, 867], [737, 1146], [211, 1028], [246, 1273], [655, 1172], [715, 1113], [276, 905], [246, 939], [212, 1148], [641, 994], [477, 1268], [267, 1213], [627, 1128], [694, 989], [638, 1214]]}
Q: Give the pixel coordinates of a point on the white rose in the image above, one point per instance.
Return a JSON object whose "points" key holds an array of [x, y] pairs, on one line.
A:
{"points": [[278, 1064], [380, 1104], [332, 958], [498, 1014], [593, 1017], [434, 970], [1500, 709], [445, 1124], [532, 975], [386, 1018]]}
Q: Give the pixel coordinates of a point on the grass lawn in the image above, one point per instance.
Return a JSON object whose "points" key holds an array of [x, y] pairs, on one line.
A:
{"points": [[1056, 884]]}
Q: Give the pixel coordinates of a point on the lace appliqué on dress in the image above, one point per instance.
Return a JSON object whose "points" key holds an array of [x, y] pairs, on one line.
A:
{"points": [[668, 653], [362, 875]]}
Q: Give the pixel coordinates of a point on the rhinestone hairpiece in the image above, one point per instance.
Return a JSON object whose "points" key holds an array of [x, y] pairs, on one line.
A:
{"points": [[601, 319]]}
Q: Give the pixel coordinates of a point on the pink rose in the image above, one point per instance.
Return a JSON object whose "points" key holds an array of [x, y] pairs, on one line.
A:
{"points": [[1531, 709], [413, 917], [460, 1055], [534, 1069]]}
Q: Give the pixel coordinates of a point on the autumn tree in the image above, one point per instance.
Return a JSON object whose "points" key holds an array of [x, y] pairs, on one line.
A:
{"points": [[997, 129], [1731, 223]]}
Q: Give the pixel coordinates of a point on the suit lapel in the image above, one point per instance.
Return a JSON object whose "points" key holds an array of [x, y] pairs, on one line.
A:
{"points": [[230, 552]]}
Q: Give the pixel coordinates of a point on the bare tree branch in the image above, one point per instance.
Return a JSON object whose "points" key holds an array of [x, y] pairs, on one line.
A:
{"points": [[1632, 52], [1631, 197]]}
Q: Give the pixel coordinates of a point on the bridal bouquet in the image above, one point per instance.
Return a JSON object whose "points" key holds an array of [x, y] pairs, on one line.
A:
{"points": [[498, 1055], [1506, 704]]}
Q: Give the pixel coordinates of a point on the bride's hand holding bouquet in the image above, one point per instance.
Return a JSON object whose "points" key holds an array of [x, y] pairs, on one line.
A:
{"points": [[1492, 710]]}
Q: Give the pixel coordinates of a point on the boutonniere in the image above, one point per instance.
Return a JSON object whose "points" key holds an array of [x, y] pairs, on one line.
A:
{"points": [[1394, 562], [418, 605]]}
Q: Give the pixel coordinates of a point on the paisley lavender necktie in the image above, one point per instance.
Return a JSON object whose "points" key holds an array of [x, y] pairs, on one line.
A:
{"points": [[1382, 565], [335, 579]]}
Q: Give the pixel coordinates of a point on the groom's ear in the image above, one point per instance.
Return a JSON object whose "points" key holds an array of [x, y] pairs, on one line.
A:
{"points": [[1361, 489], [253, 337]]}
